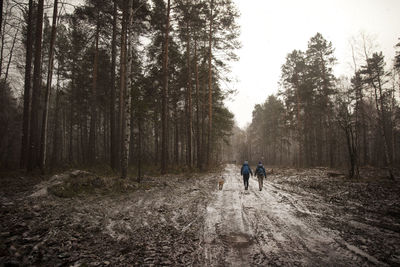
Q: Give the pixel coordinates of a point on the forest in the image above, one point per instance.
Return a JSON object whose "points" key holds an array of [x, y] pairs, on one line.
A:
{"points": [[121, 83], [105, 86], [317, 119], [119, 147]]}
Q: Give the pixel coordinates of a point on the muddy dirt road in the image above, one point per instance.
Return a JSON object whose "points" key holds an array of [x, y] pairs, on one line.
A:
{"points": [[296, 220], [271, 227]]}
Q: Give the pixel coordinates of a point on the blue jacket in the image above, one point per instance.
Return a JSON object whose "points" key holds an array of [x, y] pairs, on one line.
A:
{"points": [[241, 171], [260, 170]]}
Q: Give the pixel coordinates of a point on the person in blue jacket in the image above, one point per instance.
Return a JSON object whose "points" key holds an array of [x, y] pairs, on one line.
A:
{"points": [[246, 171], [261, 174]]}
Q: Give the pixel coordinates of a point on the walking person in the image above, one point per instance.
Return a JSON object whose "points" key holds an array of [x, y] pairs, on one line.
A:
{"points": [[261, 174], [246, 171]]}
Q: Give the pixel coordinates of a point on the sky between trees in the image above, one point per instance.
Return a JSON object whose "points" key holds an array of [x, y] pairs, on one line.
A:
{"points": [[272, 29]]}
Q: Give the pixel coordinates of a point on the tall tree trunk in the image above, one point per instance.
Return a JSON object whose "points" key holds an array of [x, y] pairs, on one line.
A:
{"points": [[139, 148], [176, 143], [1, 13], [113, 139], [122, 88], [57, 144], [156, 134], [189, 100], [164, 113], [382, 121], [11, 55], [203, 123], [128, 85], [299, 133], [364, 133], [93, 119], [380, 107], [71, 117], [27, 88], [43, 144], [182, 126], [198, 143], [36, 92], [2, 35], [210, 88], [64, 133]]}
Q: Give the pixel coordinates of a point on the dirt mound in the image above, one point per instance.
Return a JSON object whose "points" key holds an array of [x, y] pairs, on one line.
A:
{"points": [[78, 182]]}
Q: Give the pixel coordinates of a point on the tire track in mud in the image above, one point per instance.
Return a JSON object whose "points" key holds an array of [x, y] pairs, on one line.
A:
{"points": [[270, 227], [183, 220], [227, 233]]}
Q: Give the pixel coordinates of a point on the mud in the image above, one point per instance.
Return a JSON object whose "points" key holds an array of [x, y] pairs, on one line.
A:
{"points": [[300, 218]]}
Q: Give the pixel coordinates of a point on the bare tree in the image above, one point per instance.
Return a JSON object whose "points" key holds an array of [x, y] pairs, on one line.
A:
{"points": [[348, 123]]}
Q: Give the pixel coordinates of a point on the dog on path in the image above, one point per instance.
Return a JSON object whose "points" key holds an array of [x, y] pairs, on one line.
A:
{"points": [[221, 182]]}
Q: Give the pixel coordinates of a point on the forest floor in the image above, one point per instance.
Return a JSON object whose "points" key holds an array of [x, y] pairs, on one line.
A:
{"points": [[300, 218]]}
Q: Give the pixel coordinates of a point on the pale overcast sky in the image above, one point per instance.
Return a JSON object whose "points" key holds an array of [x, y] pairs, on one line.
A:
{"points": [[270, 29]]}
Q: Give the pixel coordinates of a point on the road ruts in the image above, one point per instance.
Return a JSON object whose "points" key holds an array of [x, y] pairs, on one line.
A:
{"points": [[270, 227]]}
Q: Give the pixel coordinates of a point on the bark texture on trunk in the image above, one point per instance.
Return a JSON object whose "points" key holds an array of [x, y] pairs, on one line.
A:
{"points": [[34, 142], [189, 100], [93, 106], [27, 89], [128, 85], [122, 86], [113, 140], [210, 88], [198, 136], [43, 144], [164, 112]]}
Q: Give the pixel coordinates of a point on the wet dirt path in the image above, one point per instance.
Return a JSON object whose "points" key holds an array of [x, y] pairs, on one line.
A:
{"points": [[270, 227], [183, 220]]}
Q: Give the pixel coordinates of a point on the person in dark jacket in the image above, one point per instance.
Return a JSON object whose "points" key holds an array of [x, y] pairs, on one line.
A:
{"points": [[246, 171], [261, 174]]}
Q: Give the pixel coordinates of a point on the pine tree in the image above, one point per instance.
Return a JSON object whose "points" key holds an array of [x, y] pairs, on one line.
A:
{"points": [[43, 145], [113, 129], [164, 113], [375, 76], [34, 142], [320, 61], [128, 85], [27, 89]]}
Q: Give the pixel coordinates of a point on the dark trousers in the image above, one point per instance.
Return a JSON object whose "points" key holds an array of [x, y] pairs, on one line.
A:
{"points": [[260, 180], [246, 180]]}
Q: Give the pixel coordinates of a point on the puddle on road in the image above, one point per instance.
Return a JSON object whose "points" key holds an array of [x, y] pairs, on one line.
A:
{"points": [[237, 240]]}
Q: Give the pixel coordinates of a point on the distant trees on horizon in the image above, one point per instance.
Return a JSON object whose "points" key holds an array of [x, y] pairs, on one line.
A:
{"points": [[318, 119]]}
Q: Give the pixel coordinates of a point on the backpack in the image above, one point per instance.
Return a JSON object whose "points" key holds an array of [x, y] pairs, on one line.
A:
{"points": [[260, 171], [246, 169]]}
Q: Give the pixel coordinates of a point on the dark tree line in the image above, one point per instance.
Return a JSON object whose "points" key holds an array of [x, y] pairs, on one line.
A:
{"points": [[125, 83], [317, 119]]}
